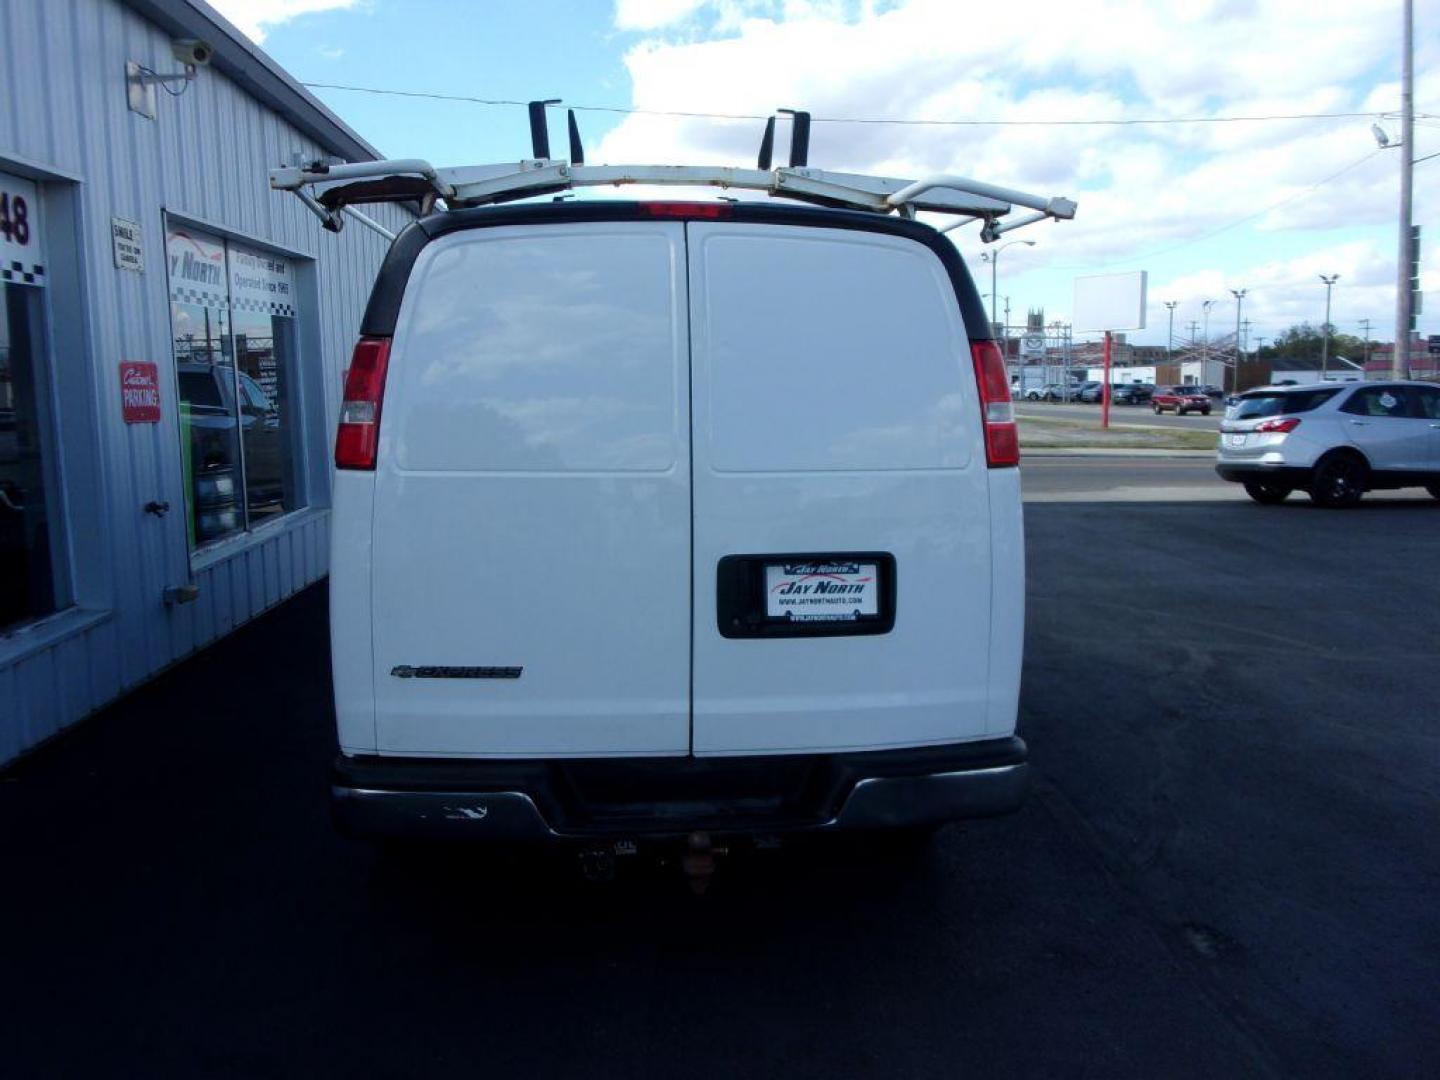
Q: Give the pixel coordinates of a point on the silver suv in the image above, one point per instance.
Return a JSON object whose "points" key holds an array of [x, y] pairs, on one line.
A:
{"points": [[1335, 441]]}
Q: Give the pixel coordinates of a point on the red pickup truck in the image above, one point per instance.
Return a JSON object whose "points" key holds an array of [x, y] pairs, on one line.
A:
{"points": [[1182, 399]]}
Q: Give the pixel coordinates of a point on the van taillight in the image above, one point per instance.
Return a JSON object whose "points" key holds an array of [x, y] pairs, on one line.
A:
{"points": [[1002, 440], [1271, 427], [359, 433]]}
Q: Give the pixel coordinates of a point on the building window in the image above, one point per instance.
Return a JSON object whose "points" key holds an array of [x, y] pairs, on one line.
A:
{"points": [[232, 315], [31, 584]]}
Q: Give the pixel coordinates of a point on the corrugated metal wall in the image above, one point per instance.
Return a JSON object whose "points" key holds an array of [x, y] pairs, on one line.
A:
{"points": [[63, 110]]}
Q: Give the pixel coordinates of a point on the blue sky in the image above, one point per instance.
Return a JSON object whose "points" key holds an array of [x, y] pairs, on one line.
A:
{"points": [[1190, 203]]}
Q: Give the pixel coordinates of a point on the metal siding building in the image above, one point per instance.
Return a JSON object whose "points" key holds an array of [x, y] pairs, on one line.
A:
{"points": [[69, 140]]}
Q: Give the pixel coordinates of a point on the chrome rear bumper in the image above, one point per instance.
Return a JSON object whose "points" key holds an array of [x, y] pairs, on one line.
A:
{"points": [[540, 801]]}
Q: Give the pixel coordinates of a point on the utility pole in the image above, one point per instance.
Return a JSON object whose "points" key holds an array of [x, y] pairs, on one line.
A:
{"points": [[1365, 325], [1170, 345], [1329, 281], [1400, 366], [1239, 295]]}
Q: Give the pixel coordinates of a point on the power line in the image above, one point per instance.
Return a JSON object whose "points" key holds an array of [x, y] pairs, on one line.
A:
{"points": [[908, 122]]}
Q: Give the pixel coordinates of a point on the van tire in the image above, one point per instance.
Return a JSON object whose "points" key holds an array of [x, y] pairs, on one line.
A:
{"points": [[1338, 480], [1266, 493]]}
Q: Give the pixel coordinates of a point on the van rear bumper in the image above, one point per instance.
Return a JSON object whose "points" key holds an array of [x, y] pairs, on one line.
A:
{"points": [[518, 801]]}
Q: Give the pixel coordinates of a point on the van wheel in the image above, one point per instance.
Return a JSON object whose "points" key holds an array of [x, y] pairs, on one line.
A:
{"points": [[1265, 493], [1338, 481]]}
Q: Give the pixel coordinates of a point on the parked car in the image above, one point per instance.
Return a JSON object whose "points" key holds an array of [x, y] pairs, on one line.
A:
{"points": [[1122, 394], [1212, 392], [1091, 392], [209, 395], [1182, 399], [1131, 393], [1334, 442], [594, 600], [1035, 393], [1061, 392]]}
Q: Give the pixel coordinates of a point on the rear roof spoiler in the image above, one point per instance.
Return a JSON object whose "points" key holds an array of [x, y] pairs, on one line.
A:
{"points": [[330, 189]]}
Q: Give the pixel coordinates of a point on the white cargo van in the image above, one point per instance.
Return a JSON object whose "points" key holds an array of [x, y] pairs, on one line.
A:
{"points": [[661, 517]]}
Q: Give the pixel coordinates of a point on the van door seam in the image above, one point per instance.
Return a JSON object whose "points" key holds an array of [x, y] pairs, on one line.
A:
{"points": [[690, 430]]}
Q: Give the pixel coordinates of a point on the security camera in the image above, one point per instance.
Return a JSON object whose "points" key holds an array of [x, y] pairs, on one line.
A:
{"points": [[192, 52]]}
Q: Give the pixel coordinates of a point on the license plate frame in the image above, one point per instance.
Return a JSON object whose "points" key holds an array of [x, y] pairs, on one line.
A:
{"points": [[747, 598]]}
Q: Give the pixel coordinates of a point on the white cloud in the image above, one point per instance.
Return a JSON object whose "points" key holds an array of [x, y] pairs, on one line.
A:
{"points": [[1141, 189], [653, 14], [254, 18]]}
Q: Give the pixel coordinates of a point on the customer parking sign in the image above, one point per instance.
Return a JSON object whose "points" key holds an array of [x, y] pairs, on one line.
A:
{"points": [[139, 392]]}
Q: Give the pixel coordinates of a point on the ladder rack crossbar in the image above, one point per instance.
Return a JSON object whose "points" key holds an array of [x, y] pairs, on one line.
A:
{"points": [[480, 185]]}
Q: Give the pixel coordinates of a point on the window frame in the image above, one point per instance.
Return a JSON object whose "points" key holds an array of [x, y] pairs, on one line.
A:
{"points": [[310, 490]]}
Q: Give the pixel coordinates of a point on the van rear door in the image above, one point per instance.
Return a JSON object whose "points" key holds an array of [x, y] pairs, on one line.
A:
{"points": [[532, 502], [839, 468]]}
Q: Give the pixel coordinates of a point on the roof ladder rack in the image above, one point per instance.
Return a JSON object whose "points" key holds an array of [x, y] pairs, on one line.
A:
{"points": [[329, 189]]}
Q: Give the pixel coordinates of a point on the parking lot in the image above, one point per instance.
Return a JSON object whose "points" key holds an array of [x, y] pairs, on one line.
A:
{"points": [[1120, 415], [1228, 865]]}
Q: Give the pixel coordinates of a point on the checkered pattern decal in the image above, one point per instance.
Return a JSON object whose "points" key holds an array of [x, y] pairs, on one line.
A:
{"points": [[189, 294], [23, 273], [270, 307]]}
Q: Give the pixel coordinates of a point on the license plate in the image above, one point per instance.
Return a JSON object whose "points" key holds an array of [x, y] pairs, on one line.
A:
{"points": [[1234, 440], [822, 591]]}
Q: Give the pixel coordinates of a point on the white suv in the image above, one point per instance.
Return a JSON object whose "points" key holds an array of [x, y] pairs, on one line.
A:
{"points": [[674, 518], [1335, 441]]}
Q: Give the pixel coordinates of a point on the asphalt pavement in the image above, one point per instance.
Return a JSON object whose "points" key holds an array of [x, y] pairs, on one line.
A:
{"points": [[1228, 866]]}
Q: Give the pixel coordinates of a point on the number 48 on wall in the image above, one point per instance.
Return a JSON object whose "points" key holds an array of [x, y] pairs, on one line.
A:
{"points": [[14, 218]]}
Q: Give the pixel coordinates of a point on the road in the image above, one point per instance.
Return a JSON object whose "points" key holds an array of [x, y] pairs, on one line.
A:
{"points": [[1228, 866], [1120, 415]]}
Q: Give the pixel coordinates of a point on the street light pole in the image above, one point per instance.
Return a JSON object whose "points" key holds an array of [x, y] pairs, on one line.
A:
{"points": [[1239, 295], [993, 258], [1325, 330], [1403, 315], [1205, 307], [1365, 326], [1170, 344]]}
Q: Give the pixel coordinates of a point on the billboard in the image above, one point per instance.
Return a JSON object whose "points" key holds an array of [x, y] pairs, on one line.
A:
{"points": [[1110, 302]]}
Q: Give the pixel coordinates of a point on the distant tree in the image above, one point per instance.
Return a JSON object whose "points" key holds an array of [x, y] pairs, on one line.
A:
{"points": [[1304, 342]]}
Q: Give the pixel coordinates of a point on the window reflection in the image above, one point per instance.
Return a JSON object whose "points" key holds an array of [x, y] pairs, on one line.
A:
{"points": [[28, 586], [233, 324], [268, 411], [208, 440]]}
